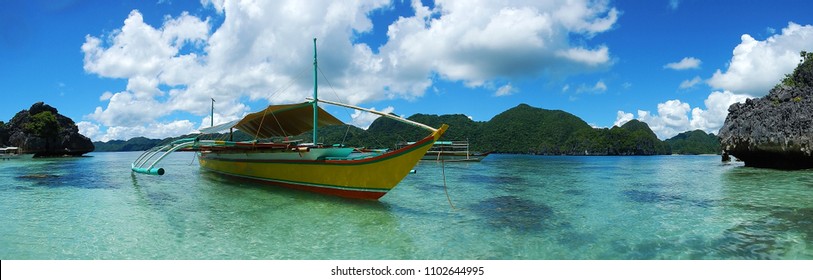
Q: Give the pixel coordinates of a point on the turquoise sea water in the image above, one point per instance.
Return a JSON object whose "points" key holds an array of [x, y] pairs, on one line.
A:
{"points": [[505, 207]]}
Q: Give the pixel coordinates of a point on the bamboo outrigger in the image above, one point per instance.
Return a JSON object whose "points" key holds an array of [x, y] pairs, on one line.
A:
{"points": [[310, 166]]}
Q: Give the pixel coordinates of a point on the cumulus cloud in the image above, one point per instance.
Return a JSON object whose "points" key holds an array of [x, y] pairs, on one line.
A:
{"points": [[712, 118], [690, 83], [684, 64], [89, 129], [671, 119], [675, 116], [467, 41], [363, 119], [756, 66], [153, 130], [261, 49], [621, 118]]}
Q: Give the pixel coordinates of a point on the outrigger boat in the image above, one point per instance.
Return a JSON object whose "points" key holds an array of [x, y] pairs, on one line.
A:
{"points": [[312, 167]]}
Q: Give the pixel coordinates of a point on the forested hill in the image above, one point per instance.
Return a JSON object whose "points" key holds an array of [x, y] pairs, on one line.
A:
{"points": [[522, 129], [695, 143], [135, 144]]}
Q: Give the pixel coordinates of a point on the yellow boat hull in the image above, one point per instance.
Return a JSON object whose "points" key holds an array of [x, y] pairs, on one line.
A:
{"points": [[368, 178]]}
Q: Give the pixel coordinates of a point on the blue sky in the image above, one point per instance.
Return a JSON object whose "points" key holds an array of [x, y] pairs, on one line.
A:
{"points": [[122, 69]]}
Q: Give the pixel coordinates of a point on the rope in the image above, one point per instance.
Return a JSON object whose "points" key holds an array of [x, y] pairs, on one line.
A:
{"points": [[443, 171], [290, 83], [282, 89], [257, 134], [347, 109], [345, 134], [284, 134], [338, 98]]}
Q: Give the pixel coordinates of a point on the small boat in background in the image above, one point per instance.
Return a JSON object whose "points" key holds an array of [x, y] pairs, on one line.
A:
{"points": [[9, 153], [452, 151]]}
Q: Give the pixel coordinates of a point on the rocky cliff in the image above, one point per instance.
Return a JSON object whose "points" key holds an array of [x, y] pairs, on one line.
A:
{"points": [[41, 130], [775, 131]]}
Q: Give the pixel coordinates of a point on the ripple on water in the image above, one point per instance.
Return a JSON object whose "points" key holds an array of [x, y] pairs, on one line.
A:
{"points": [[650, 196], [496, 181], [160, 199], [800, 219], [766, 238], [73, 180], [573, 192], [750, 240], [516, 213]]}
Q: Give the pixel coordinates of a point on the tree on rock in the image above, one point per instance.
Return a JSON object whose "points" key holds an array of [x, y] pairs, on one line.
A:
{"points": [[43, 125], [802, 76]]}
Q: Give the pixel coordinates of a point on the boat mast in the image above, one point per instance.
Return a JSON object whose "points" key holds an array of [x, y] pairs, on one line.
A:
{"points": [[315, 98]]}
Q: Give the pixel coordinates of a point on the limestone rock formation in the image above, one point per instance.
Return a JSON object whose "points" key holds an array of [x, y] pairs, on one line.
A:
{"points": [[41, 130], [775, 131]]}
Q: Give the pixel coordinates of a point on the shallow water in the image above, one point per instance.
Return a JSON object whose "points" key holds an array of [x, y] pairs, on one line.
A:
{"points": [[505, 207]]}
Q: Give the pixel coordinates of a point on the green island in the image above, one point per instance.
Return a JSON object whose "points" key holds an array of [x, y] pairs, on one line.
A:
{"points": [[520, 130]]}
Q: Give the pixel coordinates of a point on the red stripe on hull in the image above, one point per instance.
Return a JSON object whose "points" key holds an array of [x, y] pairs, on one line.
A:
{"points": [[372, 195]]}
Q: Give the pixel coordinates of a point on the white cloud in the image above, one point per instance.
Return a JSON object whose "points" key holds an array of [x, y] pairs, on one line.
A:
{"points": [[505, 90], [89, 130], [599, 87], [673, 116], [467, 41], [684, 64], [219, 119], [690, 83], [621, 118], [671, 119], [712, 118], [261, 49], [128, 109], [588, 57], [363, 119], [106, 96], [756, 66], [152, 130], [138, 49]]}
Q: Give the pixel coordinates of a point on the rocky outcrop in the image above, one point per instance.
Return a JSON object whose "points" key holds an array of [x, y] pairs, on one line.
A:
{"points": [[775, 131], [41, 130]]}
